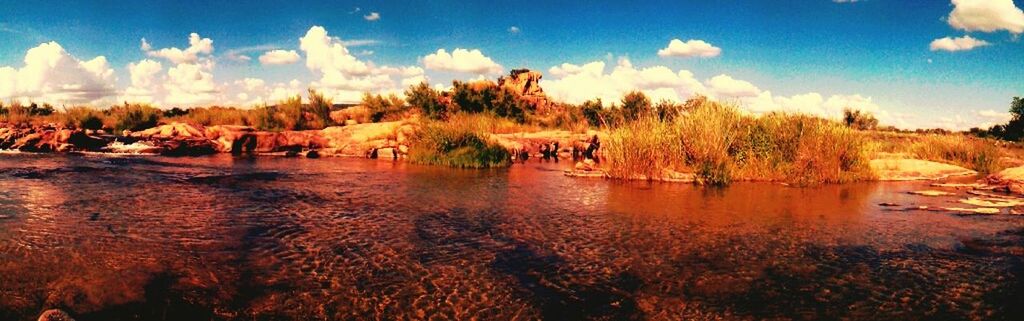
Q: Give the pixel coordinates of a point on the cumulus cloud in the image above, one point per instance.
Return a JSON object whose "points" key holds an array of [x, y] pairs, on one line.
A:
{"points": [[462, 60], [957, 44], [579, 83], [987, 16], [690, 48], [196, 46], [513, 29], [145, 74], [373, 16], [573, 83], [345, 77], [279, 57], [52, 75], [724, 86], [188, 82]]}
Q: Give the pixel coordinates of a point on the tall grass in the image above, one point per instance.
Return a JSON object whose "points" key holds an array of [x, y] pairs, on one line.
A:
{"points": [[719, 144], [489, 123], [456, 145], [975, 153], [132, 117], [709, 133], [644, 148]]}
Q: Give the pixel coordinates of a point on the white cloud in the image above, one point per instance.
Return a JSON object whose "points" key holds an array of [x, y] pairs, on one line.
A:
{"points": [[576, 83], [279, 57], [462, 60], [343, 76], [513, 29], [957, 44], [145, 75], [724, 86], [189, 85], [188, 82], [987, 16], [690, 48], [52, 75], [373, 16], [996, 116], [197, 46]]}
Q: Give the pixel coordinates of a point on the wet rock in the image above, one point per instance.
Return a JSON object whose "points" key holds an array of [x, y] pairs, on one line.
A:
{"points": [[55, 315], [932, 193], [313, 154]]}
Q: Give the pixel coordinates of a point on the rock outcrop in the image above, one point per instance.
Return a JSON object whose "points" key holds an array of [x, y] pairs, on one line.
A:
{"points": [[897, 169], [523, 81], [48, 139], [1009, 180]]}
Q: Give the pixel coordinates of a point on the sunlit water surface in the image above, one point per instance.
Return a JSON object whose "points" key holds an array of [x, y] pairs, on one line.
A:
{"points": [[129, 238]]}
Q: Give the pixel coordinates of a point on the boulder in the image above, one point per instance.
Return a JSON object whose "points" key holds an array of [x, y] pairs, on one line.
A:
{"points": [[174, 129], [523, 81], [1009, 180]]}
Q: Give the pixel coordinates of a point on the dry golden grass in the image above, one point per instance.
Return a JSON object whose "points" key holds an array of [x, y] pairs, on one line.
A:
{"points": [[719, 144]]}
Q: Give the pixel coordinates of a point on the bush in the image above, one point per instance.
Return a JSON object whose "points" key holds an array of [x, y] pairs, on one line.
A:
{"points": [[857, 119], [635, 105], [451, 144], [381, 108], [426, 99], [133, 117], [82, 117]]}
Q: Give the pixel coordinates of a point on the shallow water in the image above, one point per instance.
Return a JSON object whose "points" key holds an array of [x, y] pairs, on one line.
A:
{"points": [[152, 238]]}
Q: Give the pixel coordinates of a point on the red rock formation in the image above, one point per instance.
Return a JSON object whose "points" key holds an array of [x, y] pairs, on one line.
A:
{"points": [[523, 81]]}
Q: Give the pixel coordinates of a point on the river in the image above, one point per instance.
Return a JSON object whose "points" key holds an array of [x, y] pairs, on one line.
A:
{"points": [[271, 238]]}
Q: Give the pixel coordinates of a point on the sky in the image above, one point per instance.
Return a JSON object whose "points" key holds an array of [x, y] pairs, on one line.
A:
{"points": [[914, 63]]}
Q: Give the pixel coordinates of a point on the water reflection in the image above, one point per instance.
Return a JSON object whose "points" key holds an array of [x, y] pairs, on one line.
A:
{"points": [[271, 238]]}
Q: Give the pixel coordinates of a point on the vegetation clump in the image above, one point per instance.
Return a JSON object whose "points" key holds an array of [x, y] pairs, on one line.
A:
{"points": [[454, 145], [719, 144]]}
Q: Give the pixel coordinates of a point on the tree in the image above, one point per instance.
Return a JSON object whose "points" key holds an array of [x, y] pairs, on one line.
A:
{"points": [[592, 111], [668, 110], [1017, 108], [634, 104], [859, 119], [381, 106], [320, 107], [426, 99]]}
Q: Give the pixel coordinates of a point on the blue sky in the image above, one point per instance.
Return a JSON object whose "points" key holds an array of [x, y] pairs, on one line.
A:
{"points": [[871, 52]]}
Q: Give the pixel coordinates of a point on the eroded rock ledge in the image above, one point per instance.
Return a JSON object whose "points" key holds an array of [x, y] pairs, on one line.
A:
{"points": [[388, 138]]}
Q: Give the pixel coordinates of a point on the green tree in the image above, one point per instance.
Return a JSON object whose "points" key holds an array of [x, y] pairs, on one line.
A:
{"points": [[592, 111], [320, 108]]}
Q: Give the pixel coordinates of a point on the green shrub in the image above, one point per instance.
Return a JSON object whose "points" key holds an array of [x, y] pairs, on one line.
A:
{"points": [[451, 144], [426, 99]]}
